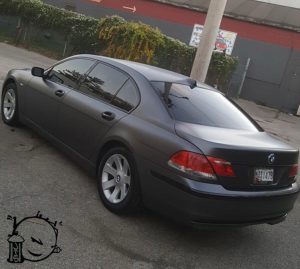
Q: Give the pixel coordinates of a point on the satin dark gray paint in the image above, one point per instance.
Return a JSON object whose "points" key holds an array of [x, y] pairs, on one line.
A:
{"points": [[151, 134]]}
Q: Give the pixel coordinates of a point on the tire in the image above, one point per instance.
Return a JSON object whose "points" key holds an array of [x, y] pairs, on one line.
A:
{"points": [[9, 105], [122, 194]]}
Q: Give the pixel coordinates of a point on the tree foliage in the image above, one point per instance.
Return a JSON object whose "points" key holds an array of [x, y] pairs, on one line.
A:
{"points": [[220, 70], [130, 40]]}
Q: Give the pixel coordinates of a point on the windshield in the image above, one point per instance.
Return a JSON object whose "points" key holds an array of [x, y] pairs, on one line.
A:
{"points": [[203, 106]]}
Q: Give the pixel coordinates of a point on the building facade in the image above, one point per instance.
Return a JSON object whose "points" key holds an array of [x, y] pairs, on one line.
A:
{"points": [[267, 34]]}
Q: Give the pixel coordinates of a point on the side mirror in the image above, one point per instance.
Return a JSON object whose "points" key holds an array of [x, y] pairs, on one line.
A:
{"points": [[37, 72]]}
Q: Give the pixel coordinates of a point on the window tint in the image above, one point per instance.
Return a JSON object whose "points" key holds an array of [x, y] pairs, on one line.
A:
{"points": [[204, 107], [68, 73], [103, 82], [128, 97]]}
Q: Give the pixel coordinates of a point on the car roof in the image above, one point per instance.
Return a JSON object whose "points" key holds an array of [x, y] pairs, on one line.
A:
{"points": [[150, 72], [153, 73]]}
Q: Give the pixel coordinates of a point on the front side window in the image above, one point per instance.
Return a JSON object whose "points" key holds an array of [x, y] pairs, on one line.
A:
{"points": [[69, 72], [204, 107], [128, 97], [103, 82]]}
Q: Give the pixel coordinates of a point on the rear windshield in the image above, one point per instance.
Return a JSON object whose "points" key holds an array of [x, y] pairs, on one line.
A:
{"points": [[204, 107]]}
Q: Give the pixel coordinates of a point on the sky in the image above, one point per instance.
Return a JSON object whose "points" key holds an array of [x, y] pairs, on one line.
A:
{"points": [[289, 3]]}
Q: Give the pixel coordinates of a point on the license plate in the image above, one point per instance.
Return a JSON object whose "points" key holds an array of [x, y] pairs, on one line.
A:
{"points": [[263, 176]]}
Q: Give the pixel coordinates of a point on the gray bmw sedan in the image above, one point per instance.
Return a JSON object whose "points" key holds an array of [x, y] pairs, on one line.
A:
{"points": [[157, 138]]}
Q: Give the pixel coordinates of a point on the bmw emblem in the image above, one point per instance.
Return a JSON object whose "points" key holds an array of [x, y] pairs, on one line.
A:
{"points": [[271, 158]]}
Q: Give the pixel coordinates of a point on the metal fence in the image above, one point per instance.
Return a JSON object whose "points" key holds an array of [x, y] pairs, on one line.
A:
{"points": [[8, 26], [47, 40], [236, 84]]}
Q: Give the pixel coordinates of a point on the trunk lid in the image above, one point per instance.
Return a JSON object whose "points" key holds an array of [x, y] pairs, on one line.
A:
{"points": [[247, 151]]}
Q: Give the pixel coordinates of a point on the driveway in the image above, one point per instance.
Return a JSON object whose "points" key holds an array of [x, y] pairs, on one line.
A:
{"points": [[36, 177]]}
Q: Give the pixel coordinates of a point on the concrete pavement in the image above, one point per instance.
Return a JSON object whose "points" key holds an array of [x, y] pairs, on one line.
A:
{"points": [[34, 176]]}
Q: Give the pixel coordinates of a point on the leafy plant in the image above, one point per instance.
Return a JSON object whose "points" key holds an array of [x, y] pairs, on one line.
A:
{"points": [[220, 70], [129, 40], [175, 55]]}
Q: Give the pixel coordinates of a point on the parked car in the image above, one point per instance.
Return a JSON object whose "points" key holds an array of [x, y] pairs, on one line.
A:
{"points": [[157, 138]]}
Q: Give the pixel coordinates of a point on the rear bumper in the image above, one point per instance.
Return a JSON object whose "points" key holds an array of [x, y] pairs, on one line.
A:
{"points": [[199, 203]]}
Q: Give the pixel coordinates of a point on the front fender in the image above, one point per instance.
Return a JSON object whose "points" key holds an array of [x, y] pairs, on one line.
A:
{"points": [[20, 77]]}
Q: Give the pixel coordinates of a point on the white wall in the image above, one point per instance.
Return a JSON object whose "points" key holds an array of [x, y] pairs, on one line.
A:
{"points": [[288, 3]]}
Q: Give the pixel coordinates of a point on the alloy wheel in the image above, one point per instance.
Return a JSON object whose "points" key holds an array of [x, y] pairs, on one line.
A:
{"points": [[116, 178], [9, 104]]}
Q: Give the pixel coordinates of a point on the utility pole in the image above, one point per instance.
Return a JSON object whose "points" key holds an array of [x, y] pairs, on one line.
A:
{"points": [[208, 39]]}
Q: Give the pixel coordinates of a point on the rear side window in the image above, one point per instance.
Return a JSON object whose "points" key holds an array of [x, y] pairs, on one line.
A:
{"points": [[128, 97], [103, 82], [69, 72], [204, 107]]}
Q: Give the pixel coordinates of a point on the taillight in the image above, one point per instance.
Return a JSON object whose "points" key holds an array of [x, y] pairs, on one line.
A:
{"points": [[293, 171], [197, 164], [192, 163], [221, 167]]}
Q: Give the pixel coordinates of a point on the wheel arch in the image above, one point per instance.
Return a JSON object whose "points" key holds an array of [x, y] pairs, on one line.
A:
{"points": [[115, 142], [8, 81]]}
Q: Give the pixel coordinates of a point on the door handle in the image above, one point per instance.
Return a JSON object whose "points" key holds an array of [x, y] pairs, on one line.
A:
{"points": [[109, 116], [59, 93]]}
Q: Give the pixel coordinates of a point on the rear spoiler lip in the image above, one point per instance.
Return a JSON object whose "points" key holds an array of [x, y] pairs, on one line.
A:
{"points": [[188, 82]]}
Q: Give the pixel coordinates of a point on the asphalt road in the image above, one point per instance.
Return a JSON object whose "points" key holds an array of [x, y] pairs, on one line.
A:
{"points": [[36, 177]]}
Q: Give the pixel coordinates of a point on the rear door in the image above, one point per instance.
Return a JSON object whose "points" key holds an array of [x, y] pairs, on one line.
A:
{"points": [[45, 95], [90, 111]]}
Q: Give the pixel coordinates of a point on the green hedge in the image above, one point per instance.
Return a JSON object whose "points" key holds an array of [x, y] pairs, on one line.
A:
{"points": [[129, 40], [78, 29], [115, 37]]}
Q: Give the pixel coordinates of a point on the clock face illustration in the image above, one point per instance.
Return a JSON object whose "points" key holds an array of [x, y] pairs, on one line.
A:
{"points": [[40, 238], [33, 239]]}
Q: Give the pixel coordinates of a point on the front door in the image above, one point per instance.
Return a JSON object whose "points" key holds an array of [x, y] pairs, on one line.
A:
{"points": [[45, 95], [42, 102], [87, 114]]}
